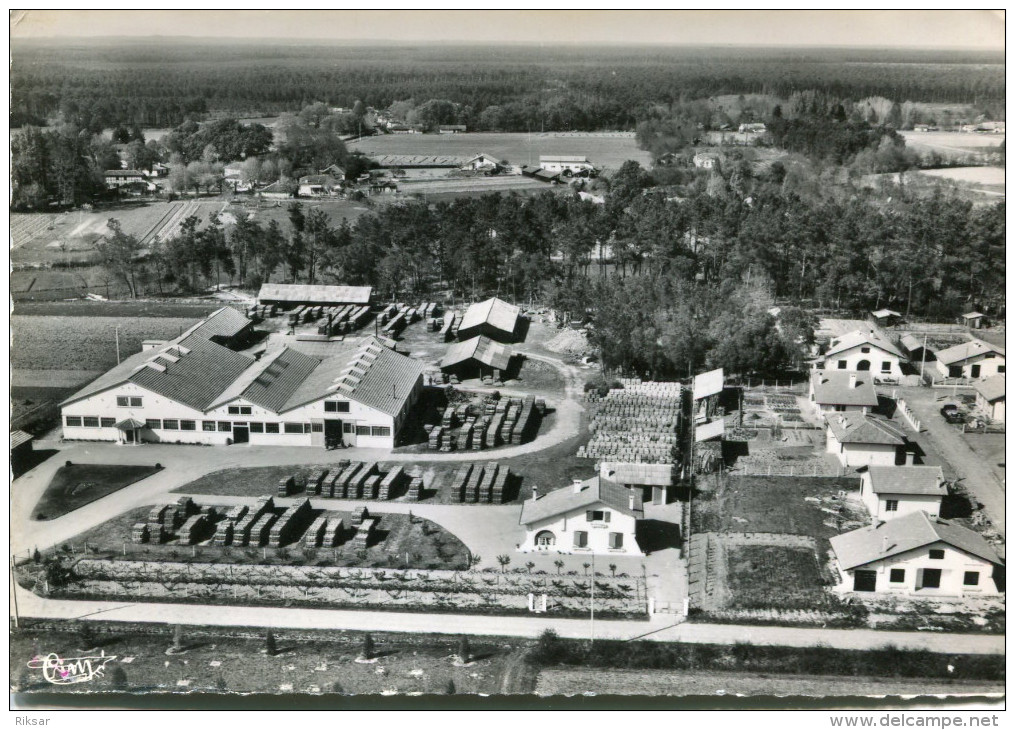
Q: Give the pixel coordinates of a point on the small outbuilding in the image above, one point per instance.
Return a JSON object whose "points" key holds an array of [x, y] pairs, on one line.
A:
{"points": [[886, 317], [477, 357], [318, 295], [493, 318], [21, 451], [973, 320]]}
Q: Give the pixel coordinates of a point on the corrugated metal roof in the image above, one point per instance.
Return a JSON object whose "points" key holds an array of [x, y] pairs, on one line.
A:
{"points": [[197, 377], [372, 375], [276, 383], [928, 480], [594, 491], [856, 428], [483, 349], [190, 370], [832, 387], [859, 337], [315, 293], [966, 350], [495, 312], [225, 322], [898, 536], [18, 438], [992, 388], [911, 343]]}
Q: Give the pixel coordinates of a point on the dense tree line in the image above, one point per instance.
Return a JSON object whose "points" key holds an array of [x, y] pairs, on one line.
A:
{"points": [[693, 277], [507, 88]]}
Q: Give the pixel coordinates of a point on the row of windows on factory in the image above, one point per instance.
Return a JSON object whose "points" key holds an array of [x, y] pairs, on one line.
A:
{"points": [[173, 424]]}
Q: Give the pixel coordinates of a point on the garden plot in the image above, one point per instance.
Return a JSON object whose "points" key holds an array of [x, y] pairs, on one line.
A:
{"points": [[101, 565], [760, 550]]}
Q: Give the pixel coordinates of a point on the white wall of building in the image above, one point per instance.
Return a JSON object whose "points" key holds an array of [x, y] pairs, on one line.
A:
{"points": [[953, 566], [978, 367], [154, 406], [566, 525], [906, 503], [993, 411], [875, 357], [857, 455]]}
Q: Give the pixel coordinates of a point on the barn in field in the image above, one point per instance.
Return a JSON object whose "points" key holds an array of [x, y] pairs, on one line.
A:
{"points": [[288, 296], [477, 357], [493, 318]]}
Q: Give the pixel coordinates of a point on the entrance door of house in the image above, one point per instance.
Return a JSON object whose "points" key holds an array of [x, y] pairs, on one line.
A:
{"points": [[129, 436], [241, 434], [974, 371], [865, 580], [931, 578], [863, 365], [332, 432]]}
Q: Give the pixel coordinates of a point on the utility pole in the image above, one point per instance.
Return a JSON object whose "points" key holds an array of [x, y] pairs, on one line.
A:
{"points": [[923, 357], [118, 344], [14, 594], [592, 605]]}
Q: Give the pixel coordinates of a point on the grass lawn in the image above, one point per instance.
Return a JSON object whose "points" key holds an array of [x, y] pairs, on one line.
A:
{"points": [[76, 485], [230, 660], [762, 576], [786, 505]]}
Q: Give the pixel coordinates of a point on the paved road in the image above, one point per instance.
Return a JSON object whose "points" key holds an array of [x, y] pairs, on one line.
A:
{"points": [[660, 628], [976, 476]]}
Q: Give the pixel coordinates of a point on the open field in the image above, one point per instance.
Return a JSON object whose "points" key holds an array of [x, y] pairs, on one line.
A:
{"points": [[954, 142], [75, 485], [978, 176], [670, 683], [232, 660], [158, 308], [517, 148], [59, 343]]}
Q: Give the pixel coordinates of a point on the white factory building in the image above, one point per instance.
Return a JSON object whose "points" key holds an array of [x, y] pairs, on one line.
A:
{"points": [[191, 390]]}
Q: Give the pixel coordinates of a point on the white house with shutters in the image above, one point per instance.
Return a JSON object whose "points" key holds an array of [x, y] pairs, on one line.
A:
{"points": [[890, 492], [192, 390], [859, 439], [594, 516], [916, 555], [864, 350], [974, 360]]}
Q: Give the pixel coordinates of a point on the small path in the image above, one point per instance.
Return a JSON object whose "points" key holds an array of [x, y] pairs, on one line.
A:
{"points": [[659, 628]]}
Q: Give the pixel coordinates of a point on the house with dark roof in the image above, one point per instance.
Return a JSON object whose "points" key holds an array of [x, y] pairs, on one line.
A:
{"points": [[477, 357], [841, 391], [890, 492], [594, 516], [859, 439], [864, 350], [21, 451], [990, 397], [493, 318], [194, 390], [973, 360], [916, 555]]}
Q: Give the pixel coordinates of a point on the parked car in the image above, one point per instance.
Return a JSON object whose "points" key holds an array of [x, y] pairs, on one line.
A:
{"points": [[951, 413]]}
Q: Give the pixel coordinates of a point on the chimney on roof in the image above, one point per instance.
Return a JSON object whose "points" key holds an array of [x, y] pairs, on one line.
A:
{"points": [[535, 493], [576, 484], [910, 457], [630, 499], [852, 380], [884, 544]]}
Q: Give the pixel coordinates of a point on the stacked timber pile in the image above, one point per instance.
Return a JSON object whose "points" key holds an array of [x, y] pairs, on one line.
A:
{"points": [[636, 424]]}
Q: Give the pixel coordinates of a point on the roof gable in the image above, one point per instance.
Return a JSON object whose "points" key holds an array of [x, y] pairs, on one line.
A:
{"points": [[904, 534], [315, 293], [914, 480], [992, 389], [860, 428], [225, 322], [859, 338], [594, 491], [495, 312], [479, 348], [965, 351]]}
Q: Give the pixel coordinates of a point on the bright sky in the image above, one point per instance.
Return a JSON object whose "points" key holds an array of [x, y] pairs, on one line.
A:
{"points": [[890, 28]]}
